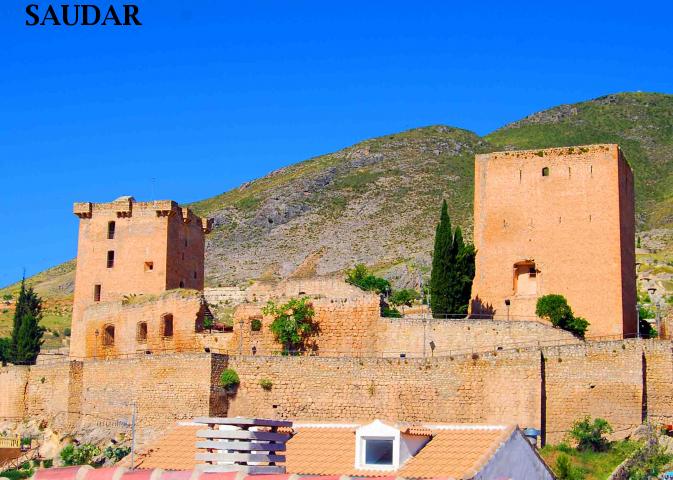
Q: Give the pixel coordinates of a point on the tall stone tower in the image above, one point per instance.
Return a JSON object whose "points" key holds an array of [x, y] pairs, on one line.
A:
{"points": [[559, 220], [127, 247]]}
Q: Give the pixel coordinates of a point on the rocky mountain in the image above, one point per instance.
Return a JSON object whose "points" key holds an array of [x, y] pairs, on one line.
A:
{"points": [[377, 202]]}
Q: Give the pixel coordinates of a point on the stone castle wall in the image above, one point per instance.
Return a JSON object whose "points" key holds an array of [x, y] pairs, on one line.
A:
{"points": [[72, 395], [549, 388], [407, 335], [185, 307]]}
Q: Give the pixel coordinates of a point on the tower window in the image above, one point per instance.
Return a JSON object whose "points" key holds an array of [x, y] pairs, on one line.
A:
{"points": [[194, 275], [182, 284], [141, 332], [110, 258], [545, 172], [110, 230], [109, 335], [167, 325], [96, 293], [185, 242], [149, 266]]}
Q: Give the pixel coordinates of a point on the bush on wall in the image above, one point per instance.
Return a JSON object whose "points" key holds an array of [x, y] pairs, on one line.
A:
{"points": [[255, 325], [229, 378], [555, 308]]}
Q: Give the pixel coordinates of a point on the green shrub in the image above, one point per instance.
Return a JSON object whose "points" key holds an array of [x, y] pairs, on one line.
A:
{"points": [[79, 455], [67, 331], [591, 435], [255, 325], [266, 384], [565, 470], [229, 378], [116, 453], [208, 322], [48, 463], [361, 277], [555, 308], [390, 312]]}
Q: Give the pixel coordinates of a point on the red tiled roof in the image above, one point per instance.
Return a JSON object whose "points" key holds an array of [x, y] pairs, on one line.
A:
{"points": [[455, 452]]}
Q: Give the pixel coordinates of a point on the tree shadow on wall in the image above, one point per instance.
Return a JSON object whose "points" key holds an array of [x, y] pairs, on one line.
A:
{"points": [[479, 309]]}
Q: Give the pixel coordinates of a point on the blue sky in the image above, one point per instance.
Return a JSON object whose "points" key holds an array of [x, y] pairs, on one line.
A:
{"points": [[204, 97]]}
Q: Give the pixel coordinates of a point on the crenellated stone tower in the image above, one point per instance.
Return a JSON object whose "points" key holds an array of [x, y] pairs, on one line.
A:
{"points": [[127, 247]]}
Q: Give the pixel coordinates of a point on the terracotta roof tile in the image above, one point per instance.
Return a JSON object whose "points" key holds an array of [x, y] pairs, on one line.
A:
{"points": [[456, 453], [452, 452], [175, 450]]}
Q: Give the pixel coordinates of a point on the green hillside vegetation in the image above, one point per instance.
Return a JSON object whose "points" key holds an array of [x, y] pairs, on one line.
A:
{"points": [[375, 202]]}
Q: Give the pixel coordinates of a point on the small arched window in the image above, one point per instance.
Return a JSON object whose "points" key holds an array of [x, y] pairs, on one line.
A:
{"points": [[545, 171], [109, 335]]}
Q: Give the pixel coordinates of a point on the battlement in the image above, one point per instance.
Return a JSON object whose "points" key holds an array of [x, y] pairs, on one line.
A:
{"points": [[579, 152], [127, 206]]}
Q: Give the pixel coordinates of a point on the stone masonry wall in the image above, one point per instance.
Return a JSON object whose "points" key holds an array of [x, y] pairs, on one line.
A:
{"points": [[404, 335], [166, 388], [346, 326], [621, 381], [487, 389], [186, 309], [12, 387], [598, 379]]}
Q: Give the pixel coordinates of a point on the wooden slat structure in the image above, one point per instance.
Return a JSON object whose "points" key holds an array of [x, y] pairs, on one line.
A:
{"points": [[250, 445]]}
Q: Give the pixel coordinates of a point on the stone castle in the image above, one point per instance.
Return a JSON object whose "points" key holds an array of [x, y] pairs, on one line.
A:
{"points": [[139, 336]]}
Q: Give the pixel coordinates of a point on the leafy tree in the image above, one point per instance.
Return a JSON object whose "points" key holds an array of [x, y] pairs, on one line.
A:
{"points": [[591, 435], [293, 322], [406, 296], [27, 333], [452, 269], [555, 308], [361, 277]]}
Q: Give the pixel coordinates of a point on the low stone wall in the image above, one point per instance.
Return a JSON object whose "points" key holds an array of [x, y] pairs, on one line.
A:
{"points": [[407, 335], [225, 295]]}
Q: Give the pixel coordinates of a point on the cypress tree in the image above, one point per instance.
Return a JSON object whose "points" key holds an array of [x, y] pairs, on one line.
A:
{"points": [[26, 338], [452, 269], [440, 282]]}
